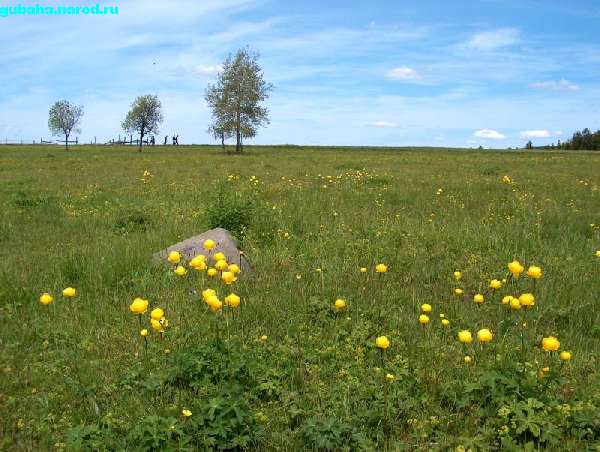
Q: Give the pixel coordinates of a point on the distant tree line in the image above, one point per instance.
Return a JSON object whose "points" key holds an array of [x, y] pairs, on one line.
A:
{"points": [[584, 140]]}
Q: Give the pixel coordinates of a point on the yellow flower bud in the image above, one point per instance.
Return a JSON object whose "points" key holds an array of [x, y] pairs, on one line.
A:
{"points": [[69, 292], [565, 356], [209, 244], [484, 335], [381, 268], [382, 342], [138, 306], [157, 314], [534, 272], [550, 344], [340, 304], [174, 257], [464, 336], [46, 299]]}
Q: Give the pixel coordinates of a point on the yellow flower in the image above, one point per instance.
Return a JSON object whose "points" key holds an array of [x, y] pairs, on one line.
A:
{"points": [[214, 303], [458, 291], [506, 179], [534, 272], [221, 265], [234, 268], [550, 344], [364, 269], [467, 359], [464, 336], [139, 306], [515, 268], [546, 369], [46, 299], [445, 322], [598, 253], [174, 257], [515, 304], [478, 298], [507, 299], [426, 308], [211, 272], [264, 338], [158, 325], [423, 319], [207, 293], [232, 300], [69, 292], [228, 278], [495, 284], [144, 332], [457, 276], [198, 262], [157, 314], [390, 377], [209, 244], [565, 356], [340, 304], [219, 257], [484, 335], [381, 268], [382, 342], [180, 271], [527, 299], [186, 413]]}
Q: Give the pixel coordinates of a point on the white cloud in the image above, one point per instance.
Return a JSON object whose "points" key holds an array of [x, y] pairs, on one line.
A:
{"points": [[542, 133], [385, 124], [495, 39], [403, 73], [560, 85], [208, 71], [489, 133]]}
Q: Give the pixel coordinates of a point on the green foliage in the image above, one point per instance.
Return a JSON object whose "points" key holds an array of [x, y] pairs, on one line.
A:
{"points": [[236, 211], [76, 375], [329, 433]]}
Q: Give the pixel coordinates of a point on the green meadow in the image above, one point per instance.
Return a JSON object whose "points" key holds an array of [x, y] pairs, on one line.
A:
{"points": [[77, 375]]}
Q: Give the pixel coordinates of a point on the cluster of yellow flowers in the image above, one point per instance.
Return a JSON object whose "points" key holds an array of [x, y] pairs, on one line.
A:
{"points": [[158, 321], [525, 300], [47, 299], [228, 271], [215, 305]]}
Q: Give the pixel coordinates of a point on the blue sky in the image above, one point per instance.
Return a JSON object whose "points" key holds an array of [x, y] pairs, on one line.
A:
{"points": [[439, 73]]}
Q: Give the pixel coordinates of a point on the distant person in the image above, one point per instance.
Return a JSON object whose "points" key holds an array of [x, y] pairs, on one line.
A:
{"points": [[176, 140], [166, 138], [152, 141]]}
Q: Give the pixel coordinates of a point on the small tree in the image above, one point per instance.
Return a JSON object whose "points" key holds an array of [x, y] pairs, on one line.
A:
{"points": [[529, 145], [144, 117], [64, 119], [235, 98]]}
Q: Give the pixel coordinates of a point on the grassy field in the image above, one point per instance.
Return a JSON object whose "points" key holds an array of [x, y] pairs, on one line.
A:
{"points": [[75, 375]]}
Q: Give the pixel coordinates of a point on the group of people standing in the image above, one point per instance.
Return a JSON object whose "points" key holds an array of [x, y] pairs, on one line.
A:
{"points": [[175, 140]]}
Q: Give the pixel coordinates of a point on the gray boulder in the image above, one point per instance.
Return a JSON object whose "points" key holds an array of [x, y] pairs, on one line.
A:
{"points": [[191, 247]]}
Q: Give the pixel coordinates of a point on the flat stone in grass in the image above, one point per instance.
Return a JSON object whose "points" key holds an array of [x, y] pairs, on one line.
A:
{"points": [[191, 247]]}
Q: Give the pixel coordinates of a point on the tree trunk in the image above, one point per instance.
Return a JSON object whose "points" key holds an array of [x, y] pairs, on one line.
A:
{"points": [[66, 141], [223, 140], [141, 139]]}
